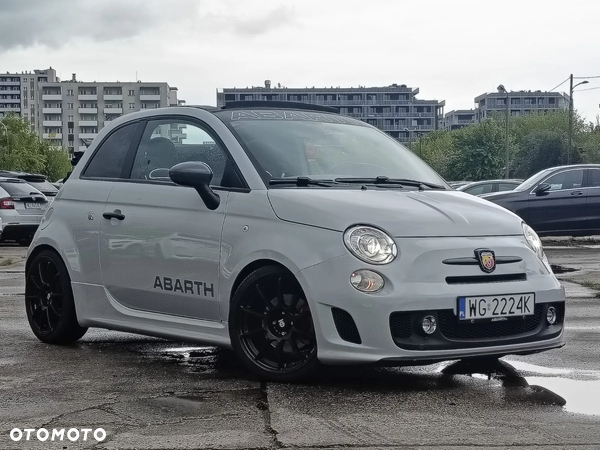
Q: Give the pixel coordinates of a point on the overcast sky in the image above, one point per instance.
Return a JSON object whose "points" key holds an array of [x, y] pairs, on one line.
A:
{"points": [[451, 50]]}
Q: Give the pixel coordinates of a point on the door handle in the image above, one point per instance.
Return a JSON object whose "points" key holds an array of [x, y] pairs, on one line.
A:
{"points": [[116, 214], [577, 193]]}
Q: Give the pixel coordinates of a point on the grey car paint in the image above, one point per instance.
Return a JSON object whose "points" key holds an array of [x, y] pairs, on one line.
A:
{"points": [[299, 229]]}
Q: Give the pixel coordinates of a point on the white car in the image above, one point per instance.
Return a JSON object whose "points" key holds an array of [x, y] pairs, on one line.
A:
{"points": [[291, 234]]}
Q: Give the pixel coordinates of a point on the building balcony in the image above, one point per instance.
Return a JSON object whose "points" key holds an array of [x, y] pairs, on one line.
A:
{"points": [[10, 108], [10, 91], [113, 110], [52, 110], [52, 123], [150, 97], [111, 97], [87, 135], [88, 110], [88, 123], [51, 97], [10, 100], [52, 136], [10, 83], [87, 97]]}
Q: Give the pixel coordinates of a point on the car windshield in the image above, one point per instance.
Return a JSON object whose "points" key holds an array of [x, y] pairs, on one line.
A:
{"points": [[533, 180], [45, 186], [323, 147]]}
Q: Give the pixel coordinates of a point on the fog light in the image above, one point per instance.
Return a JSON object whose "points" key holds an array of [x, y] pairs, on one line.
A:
{"points": [[551, 315], [429, 324], [367, 281]]}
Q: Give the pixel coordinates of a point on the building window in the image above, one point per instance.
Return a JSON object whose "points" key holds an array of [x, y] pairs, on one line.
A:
{"points": [[131, 92], [69, 105], [70, 118], [131, 105], [69, 91], [70, 130]]}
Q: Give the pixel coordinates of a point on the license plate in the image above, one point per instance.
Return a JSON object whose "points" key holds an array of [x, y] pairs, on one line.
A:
{"points": [[496, 306], [33, 206]]}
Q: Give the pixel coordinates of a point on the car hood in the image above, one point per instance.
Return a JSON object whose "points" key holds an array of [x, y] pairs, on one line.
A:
{"points": [[400, 213]]}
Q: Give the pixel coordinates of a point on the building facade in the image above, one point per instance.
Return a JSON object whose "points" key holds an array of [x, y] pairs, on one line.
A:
{"points": [[393, 109], [71, 113], [519, 103], [458, 118], [20, 93]]}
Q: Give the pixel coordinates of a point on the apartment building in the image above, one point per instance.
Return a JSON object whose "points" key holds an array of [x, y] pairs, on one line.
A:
{"points": [[519, 103], [458, 118], [20, 93], [73, 112], [394, 109]]}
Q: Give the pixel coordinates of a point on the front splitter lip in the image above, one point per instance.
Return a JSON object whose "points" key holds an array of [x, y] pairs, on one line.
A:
{"points": [[449, 356]]}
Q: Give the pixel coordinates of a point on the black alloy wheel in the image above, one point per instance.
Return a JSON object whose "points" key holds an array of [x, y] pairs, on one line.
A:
{"points": [[271, 326], [49, 300]]}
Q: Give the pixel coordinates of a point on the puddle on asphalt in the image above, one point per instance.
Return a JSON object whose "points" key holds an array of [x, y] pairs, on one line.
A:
{"points": [[580, 395]]}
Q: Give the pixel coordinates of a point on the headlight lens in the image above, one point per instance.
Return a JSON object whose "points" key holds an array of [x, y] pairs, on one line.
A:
{"points": [[370, 244], [533, 240]]}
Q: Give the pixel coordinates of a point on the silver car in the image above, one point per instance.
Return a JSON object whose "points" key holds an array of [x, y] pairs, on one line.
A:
{"points": [[295, 236], [21, 209]]}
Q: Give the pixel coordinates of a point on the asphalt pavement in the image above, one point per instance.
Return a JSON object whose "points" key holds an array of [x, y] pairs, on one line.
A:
{"points": [[155, 394]]}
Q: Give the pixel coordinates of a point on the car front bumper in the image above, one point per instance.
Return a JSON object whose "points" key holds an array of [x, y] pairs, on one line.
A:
{"points": [[385, 327]]}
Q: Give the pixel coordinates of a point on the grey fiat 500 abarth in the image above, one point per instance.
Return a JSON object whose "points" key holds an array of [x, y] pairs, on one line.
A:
{"points": [[292, 234]]}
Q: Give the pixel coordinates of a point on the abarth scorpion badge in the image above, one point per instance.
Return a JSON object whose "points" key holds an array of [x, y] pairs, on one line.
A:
{"points": [[486, 259]]}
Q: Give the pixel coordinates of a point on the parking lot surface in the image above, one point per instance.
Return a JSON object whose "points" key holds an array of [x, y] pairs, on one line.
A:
{"points": [[158, 394]]}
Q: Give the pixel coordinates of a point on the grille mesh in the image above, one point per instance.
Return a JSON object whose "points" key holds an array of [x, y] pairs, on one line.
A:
{"points": [[345, 326], [400, 325]]}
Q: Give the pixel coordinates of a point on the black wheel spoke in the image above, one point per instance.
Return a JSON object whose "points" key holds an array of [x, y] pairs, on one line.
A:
{"points": [[304, 334], [279, 353], [280, 299], [35, 283], [296, 350], [51, 307], [251, 333], [262, 350], [303, 314], [262, 296], [295, 299], [48, 321], [41, 276], [251, 312]]}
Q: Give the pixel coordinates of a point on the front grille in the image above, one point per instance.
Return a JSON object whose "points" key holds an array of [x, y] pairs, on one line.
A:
{"points": [[346, 328], [476, 279], [400, 325], [452, 328]]}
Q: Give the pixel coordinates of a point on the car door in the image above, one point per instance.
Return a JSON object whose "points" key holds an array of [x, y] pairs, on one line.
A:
{"points": [[592, 205], [159, 244], [561, 209]]}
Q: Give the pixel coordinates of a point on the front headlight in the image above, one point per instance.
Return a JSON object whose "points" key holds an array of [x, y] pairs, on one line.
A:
{"points": [[533, 240], [370, 244]]}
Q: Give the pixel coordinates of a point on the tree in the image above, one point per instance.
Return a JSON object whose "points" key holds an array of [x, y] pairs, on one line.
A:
{"points": [[22, 150], [540, 150]]}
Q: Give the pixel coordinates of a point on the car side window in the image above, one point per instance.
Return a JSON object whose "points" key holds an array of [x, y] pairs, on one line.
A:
{"points": [[570, 179], [593, 178], [166, 143], [478, 190], [506, 187], [108, 160]]}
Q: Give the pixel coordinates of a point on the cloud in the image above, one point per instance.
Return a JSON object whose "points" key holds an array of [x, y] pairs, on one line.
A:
{"points": [[55, 24], [26, 23]]}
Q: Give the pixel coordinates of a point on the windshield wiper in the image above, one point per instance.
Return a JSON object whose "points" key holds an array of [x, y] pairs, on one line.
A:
{"points": [[301, 182], [381, 180]]}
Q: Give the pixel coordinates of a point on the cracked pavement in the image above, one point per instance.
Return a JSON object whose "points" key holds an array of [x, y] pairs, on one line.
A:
{"points": [[151, 393]]}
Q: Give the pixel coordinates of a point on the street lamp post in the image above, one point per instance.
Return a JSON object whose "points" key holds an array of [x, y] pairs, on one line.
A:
{"points": [[501, 88], [571, 87]]}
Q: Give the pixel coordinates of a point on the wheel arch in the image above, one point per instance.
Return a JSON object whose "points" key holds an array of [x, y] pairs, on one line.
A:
{"points": [[36, 251], [251, 267]]}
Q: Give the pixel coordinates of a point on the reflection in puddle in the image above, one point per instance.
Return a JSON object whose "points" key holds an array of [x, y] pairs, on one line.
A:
{"points": [[582, 396]]}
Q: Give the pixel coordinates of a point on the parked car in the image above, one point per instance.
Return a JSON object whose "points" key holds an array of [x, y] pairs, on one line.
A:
{"points": [[21, 209], [40, 182], [561, 200], [489, 186], [295, 236], [457, 184]]}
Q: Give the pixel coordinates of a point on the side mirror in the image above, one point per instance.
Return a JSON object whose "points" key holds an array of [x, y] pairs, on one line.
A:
{"points": [[542, 189], [197, 175]]}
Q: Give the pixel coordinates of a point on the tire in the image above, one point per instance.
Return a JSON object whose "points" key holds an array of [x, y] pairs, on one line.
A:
{"points": [[49, 300], [271, 326]]}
